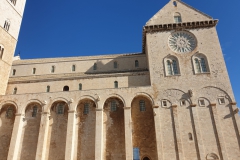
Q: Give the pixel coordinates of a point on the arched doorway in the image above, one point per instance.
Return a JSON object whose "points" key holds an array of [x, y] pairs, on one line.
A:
{"points": [[7, 117], [31, 131], [114, 129], [143, 135], [57, 131], [86, 124]]}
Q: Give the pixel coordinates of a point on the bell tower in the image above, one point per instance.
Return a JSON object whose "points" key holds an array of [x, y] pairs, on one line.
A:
{"points": [[10, 22]]}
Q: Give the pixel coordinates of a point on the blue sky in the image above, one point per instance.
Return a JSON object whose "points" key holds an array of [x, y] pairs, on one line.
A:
{"points": [[66, 28]]}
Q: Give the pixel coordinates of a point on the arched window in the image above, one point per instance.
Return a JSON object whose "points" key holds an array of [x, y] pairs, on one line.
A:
{"points": [[15, 90], [1, 51], [10, 112], [200, 63], [34, 71], [175, 3], [14, 72], [86, 108], [146, 158], [80, 86], [34, 112], [7, 25], [116, 84], [48, 88], [73, 68], [142, 106], [60, 108], [113, 106], [115, 64], [14, 2], [65, 88], [171, 66], [136, 63], [177, 18], [53, 69], [95, 66]]}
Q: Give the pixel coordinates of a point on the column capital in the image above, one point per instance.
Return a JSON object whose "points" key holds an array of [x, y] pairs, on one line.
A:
{"points": [[71, 111], [155, 106], [174, 105], [99, 109], [19, 114], [233, 103], [44, 113], [213, 104], [125, 108], [193, 105]]}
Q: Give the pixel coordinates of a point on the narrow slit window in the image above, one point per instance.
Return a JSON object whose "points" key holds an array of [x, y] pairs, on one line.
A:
{"points": [[34, 71], [175, 68], [34, 112], [9, 113], [60, 109], [15, 90], [86, 108], [198, 69], [183, 102], [48, 88], [53, 69], [169, 68], [142, 106], [203, 65], [113, 106], [65, 88], [115, 64], [80, 87], [164, 103], [116, 84], [73, 68], [95, 66], [190, 136], [14, 2], [136, 63], [6, 25], [14, 72], [1, 52]]}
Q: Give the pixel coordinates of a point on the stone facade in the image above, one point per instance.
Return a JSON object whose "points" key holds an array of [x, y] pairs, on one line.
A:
{"points": [[160, 104]]}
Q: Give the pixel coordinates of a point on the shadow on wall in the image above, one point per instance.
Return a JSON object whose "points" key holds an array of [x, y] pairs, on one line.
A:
{"points": [[121, 64]]}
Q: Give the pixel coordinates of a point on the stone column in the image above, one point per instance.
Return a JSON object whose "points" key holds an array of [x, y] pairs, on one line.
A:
{"points": [[99, 135], [16, 138], [43, 137], [128, 133], [70, 142]]}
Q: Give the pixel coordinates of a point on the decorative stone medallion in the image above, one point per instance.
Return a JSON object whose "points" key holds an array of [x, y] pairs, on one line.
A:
{"points": [[182, 42]]}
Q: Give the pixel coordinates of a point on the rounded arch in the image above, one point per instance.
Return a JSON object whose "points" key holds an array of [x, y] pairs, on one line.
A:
{"points": [[171, 65], [32, 101], [177, 14], [212, 156], [86, 97], [146, 157], [9, 102], [116, 96], [58, 99], [144, 95], [200, 63]]}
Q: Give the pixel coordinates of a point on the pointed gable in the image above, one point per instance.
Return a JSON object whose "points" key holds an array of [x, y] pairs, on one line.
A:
{"points": [[188, 14]]}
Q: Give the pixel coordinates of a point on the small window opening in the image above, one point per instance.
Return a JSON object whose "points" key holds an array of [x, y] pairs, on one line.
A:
{"points": [[177, 18], [86, 108], [14, 72], [34, 71], [164, 103], [183, 102], [116, 84], [60, 109], [15, 90], [202, 102], [35, 110], [9, 113], [80, 86], [136, 63], [53, 69], [95, 66], [142, 106], [65, 88], [190, 136], [175, 3], [14, 2], [221, 100], [6, 25], [1, 52], [73, 68], [146, 158], [113, 106], [48, 88], [115, 64]]}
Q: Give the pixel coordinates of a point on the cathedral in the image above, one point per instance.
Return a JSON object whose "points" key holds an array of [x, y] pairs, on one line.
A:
{"points": [[172, 101]]}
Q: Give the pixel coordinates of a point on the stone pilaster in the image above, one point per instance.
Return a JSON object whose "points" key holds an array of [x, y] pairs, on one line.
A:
{"points": [[43, 137], [16, 138], [158, 131], [99, 135], [128, 133], [70, 142]]}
